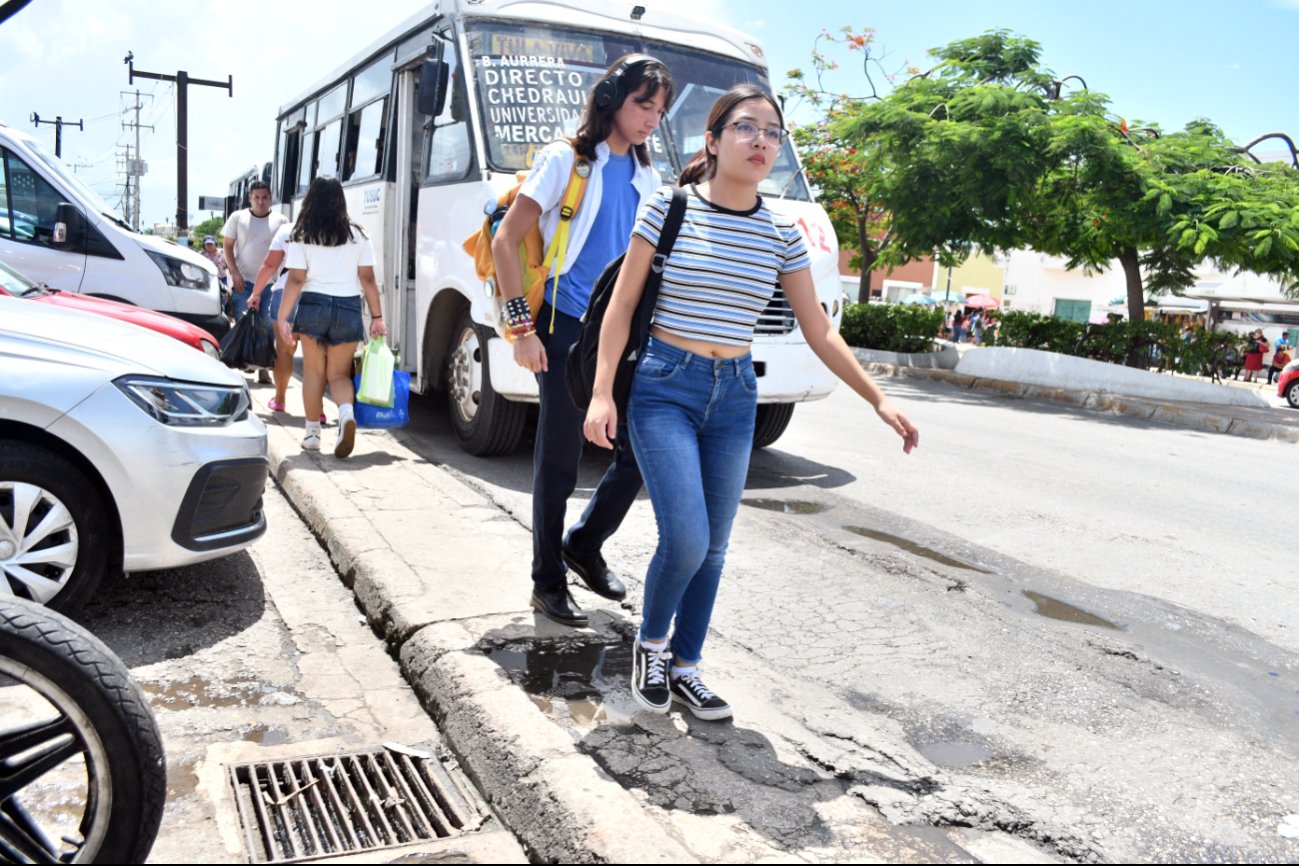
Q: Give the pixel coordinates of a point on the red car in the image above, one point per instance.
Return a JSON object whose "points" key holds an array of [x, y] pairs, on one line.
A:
{"points": [[1287, 385], [16, 285]]}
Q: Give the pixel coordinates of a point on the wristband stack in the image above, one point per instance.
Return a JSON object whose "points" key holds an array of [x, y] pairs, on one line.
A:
{"points": [[518, 318]]}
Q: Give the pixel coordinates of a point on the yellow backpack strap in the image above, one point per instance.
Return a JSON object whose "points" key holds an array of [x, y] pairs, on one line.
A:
{"points": [[568, 206]]}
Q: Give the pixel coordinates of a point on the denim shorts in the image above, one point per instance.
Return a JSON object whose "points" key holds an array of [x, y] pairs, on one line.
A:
{"points": [[329, 320], [273, 305]]}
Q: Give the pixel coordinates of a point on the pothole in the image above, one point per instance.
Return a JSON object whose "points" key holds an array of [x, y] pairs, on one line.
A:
{"points": [[915, 548], [1054, 608], [586, 683], [787, 506]]}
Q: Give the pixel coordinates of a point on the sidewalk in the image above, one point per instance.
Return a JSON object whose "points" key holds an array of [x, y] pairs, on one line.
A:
{"points": [[541, 717]]}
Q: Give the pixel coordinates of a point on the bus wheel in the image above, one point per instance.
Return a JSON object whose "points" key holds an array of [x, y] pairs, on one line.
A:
{"points": [[772, 420], [486, 424]]}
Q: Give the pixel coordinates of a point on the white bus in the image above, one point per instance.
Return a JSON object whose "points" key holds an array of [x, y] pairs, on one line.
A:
{"points": [[432, 122]]}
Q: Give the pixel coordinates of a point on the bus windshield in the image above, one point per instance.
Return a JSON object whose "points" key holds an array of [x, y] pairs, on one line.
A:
{"points": [[533, 79]]}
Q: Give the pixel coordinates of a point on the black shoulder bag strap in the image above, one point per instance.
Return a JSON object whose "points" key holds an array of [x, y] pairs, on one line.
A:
{"points": [[667, 238]]}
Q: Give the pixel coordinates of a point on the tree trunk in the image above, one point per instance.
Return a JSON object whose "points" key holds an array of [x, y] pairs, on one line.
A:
{"points": [[868, 257], [1131, 261]]}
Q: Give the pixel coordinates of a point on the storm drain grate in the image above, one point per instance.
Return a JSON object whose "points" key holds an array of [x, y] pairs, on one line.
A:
{"points": [[323, 806]]}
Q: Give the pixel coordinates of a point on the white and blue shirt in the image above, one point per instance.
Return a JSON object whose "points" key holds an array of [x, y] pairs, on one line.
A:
{"points": [[724, 267]]}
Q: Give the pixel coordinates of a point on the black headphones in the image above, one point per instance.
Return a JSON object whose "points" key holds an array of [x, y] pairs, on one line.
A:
{"points": [[612, 90]]}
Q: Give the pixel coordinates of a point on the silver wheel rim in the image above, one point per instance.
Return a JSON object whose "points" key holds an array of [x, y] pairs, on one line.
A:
{"points": [[38, 542], [467, 375]]}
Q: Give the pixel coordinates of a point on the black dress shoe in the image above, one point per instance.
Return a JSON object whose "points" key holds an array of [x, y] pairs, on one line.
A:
{"points": [[558, 606], [595, 574]]}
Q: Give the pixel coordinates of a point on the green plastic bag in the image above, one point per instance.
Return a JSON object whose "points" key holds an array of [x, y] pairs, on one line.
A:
{"points": [[377, 365]]}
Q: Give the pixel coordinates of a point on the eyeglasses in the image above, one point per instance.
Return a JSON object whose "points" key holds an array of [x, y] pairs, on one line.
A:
{"points": [[746, 132]]}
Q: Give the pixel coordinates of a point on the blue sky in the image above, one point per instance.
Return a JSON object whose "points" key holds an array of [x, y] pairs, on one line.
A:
{"points": [[1158, 61]]}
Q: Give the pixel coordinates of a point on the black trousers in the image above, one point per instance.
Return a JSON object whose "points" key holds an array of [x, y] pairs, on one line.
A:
{"points": [[555, 461]]}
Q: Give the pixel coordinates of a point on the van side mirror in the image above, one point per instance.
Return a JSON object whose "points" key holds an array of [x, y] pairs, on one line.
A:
{"points": [[433, 79], [67, 224]]}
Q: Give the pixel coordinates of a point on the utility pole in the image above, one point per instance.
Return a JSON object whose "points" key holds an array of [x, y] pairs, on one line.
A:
{"points": [[182, 81], [137, 168], [57, 123]]}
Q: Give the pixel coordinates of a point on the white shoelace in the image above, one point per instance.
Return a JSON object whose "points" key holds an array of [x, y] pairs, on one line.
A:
{"points": [[696, 687], [656, 667]]}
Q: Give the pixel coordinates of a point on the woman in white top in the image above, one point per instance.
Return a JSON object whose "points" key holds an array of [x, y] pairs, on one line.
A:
{"points": [[694, 395], [331, 263]]}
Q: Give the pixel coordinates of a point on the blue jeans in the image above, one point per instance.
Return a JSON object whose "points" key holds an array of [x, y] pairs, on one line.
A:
{"points": [[239, 300], [555, 461], [271, 303], [691, 421]]}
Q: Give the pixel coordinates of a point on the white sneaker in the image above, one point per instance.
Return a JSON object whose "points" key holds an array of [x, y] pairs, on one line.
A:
{"points": [[311, 442]]}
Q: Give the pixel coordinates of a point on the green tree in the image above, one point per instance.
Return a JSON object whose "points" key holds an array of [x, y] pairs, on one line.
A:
{"points": [[842, 176], [986, 150], [211, 226]]}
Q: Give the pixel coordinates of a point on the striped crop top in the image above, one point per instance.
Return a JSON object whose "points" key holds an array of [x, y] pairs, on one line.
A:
{"points": [[723, 268]]}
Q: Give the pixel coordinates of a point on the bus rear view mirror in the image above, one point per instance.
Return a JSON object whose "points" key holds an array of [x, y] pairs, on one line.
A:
{"points": [[433, 78]]}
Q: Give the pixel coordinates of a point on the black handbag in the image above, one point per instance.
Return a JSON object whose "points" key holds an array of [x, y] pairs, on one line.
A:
{"points": [[579, 372]]}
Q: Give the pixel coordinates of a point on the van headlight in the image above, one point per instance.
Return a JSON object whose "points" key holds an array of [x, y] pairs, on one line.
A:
{"points": [[178, 273], [186, 404]]}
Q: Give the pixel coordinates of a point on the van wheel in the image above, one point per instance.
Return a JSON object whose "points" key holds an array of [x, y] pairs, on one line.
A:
{"points": [[486, 424], [772, 420], [53, 529]]}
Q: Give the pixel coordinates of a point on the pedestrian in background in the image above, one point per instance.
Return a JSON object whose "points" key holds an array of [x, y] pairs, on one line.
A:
{"points": [[694, 395], [331, 265], [1279, 360], [1254, 351], [274, 274], [247, 237], [622, 112]]}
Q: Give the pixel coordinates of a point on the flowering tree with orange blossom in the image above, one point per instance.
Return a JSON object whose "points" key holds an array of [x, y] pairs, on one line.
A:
{"points": [[843, 175]]}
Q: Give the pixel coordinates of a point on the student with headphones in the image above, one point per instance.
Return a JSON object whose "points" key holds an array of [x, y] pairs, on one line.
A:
{"points": [[622, 111]]}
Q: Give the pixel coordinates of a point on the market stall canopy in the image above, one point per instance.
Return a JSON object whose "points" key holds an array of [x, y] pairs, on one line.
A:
{"points": [[983, 301], [919, 299]]}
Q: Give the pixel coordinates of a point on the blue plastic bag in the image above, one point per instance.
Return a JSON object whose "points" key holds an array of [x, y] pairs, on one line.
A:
{"points": [[398, 415]]}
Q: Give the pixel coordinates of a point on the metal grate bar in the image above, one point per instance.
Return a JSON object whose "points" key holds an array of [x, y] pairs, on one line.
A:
{"points": [[338, 808], [370, 836], [414, 816], [441, 824], [320, 810], [449, 795]]}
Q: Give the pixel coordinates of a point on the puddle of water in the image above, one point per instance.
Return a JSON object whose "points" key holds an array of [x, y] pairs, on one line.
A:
{"points": [[787, 506], [912, 547], [955, 754], [181, 781], [1054, 608], [198, 692], [263, 735], [587, 683]]}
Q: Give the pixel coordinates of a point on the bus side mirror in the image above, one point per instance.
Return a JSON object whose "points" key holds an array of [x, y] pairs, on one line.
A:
{"points": [[433, 79], [67, 224]]}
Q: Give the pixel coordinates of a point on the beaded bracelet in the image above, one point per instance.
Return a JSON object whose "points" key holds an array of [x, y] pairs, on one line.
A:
{"points": [[518, 318]]}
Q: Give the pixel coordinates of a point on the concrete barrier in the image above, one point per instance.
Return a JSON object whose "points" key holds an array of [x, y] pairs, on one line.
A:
{"points": [[1048, 369]]}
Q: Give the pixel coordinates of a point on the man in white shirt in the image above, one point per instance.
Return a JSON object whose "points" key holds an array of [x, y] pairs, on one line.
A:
{"points": [[247, 238]]}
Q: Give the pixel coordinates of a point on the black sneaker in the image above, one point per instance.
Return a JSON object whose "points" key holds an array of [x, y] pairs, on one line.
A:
{"points": [[649, 678], [689, 690]]}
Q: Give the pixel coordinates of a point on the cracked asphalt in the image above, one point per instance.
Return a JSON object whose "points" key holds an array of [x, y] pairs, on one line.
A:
{"points": [[1046, 633]]}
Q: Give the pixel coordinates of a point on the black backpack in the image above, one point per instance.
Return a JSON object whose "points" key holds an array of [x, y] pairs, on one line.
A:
{"points": [[579, 374]]}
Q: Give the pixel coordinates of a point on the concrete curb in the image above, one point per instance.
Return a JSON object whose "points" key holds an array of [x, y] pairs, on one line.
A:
{"points": [[1229, 420], [554, 798]]}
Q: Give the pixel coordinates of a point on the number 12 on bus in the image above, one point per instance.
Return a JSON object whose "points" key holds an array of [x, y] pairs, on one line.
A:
{"points": [[431, 122]]}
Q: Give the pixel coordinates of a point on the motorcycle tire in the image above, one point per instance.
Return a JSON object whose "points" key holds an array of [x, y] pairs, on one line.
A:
{"points": [[73, 720]]}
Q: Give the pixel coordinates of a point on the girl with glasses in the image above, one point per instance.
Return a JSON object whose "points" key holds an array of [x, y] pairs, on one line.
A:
{"points": [[694, 396]]}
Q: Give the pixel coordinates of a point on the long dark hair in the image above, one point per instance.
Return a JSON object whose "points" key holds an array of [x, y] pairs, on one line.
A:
{"points": [[323, 220], [703, 165], [597, 122]]}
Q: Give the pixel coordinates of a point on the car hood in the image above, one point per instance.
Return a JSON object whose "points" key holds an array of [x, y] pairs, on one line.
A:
{"points": [[185, 254], [152, 319], [96, 342]]}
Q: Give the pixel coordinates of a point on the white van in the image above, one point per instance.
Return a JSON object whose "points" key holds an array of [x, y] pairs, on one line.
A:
{"points": [[58, 231]]}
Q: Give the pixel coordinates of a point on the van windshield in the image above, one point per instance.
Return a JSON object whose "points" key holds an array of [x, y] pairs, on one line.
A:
{"points": [[73, 183], [533, 79]]}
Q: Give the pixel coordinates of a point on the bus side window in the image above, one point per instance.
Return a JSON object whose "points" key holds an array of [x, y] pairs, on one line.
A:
{"points": [[365, 140], [450, 151]]}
